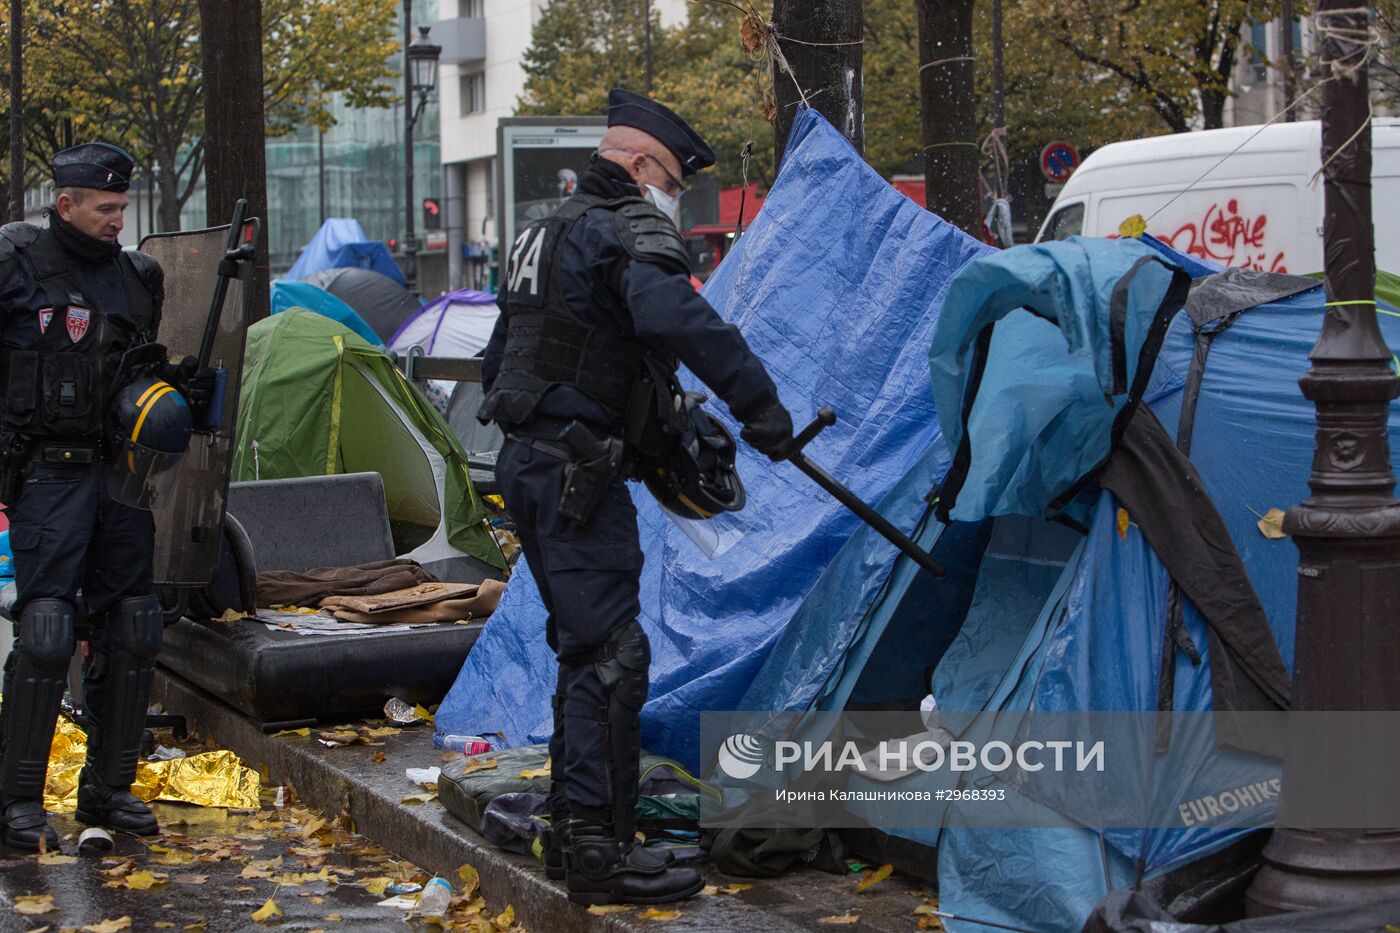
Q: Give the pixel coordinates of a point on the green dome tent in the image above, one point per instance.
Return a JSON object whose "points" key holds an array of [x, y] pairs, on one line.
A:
{"points": [[316, 400]]}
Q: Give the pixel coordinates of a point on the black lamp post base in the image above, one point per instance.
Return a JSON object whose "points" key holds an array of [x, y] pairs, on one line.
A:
{"points": [[1305, 869]]}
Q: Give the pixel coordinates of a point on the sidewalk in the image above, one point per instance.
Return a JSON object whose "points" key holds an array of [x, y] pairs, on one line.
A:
{"points": [[348, 778]]}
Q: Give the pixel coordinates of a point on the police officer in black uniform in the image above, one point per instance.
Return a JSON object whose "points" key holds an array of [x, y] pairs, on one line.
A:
{"points": [[596, 297], [72, 304]]}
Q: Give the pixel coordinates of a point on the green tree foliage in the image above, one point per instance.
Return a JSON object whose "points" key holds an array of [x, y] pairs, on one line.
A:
{"points": [[128, 71]]}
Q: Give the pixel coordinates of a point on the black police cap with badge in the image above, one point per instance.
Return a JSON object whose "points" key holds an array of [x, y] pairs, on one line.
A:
{"points": [[93, 165], [628, 109]]}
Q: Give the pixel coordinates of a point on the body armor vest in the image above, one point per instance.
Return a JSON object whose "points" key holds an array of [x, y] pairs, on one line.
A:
{"points": [[546, 346], [59, 360]]}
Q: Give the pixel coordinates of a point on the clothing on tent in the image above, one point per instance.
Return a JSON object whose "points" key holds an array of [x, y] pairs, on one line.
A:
{"points": [[308, 588], [1164, 494], [383, 303], [288, 295], [341, 243]]}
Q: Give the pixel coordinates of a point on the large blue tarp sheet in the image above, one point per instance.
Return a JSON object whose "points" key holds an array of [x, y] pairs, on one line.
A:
{"points": [[836, 285], [341, 244]]}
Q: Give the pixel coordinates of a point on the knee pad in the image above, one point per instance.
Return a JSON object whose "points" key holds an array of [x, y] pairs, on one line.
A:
{"points": [[46, 632], [137, 625], [624, 666]]}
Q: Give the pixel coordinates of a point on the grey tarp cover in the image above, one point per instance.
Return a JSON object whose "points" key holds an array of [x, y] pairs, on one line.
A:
{"points": [[383, 303], [1130, 912]]}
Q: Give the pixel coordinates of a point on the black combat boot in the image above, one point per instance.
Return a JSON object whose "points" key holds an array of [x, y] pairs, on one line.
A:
{"points": [[35, 675], [601, 869], [554, 838], [118, 686]]}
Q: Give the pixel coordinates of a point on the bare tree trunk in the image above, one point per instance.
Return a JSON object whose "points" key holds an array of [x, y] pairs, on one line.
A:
{"points": [[16, 211], [821, 42], [948, 105], [168, 212], [235, 160]]}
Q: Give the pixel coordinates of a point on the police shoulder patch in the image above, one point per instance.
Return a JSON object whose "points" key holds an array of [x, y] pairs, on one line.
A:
{"points": [[649, 236]]}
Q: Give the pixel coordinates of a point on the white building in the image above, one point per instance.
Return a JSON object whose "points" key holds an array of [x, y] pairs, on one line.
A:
{"points": [[480, 80]]}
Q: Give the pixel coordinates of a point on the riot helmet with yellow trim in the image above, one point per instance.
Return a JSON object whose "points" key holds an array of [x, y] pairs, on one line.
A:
{"points": [[697, 478], [153, 427]]}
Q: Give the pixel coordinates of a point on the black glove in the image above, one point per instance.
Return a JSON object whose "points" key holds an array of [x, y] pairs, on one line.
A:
{"points": [[195, 382], [770, 432]]}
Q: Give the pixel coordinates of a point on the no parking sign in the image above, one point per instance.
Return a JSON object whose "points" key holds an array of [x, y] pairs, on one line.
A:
{"points": [[1058, 160]]}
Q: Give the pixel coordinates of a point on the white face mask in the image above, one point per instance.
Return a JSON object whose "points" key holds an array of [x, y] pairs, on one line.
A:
{"points": [[666, 204]]}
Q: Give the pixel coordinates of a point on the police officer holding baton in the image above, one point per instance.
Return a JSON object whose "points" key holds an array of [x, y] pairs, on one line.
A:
{"points": [[596, 307]]}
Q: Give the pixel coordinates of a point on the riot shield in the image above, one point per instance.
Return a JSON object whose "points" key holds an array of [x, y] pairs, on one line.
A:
{"points": [[189, 523]]}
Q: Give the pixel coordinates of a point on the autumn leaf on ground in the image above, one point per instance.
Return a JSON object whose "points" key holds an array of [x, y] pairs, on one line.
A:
{"points": [[57, 858], [873, 878], [232, 615], [471, 881], [609, 908], [930, 923], [108, 926], [419, 798], [163, 925], [541, 772], [376, 886], [840, 919], [422, 713], [479, 764], [267, 911], [377, 758], [197, 926], [660, 916], [1271, 524], [189, 879], [715, 889], [505, 919], [380, 732], [261, 868], [140, 881], [927, 908], [304, 730], [34, 904], [312, 828]]}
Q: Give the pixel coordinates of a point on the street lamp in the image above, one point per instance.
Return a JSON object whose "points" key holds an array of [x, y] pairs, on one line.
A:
{"points": [[420, 63]]}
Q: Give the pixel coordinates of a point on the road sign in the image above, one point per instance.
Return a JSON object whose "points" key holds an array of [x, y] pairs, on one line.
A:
{"points": [[1058, 161]]}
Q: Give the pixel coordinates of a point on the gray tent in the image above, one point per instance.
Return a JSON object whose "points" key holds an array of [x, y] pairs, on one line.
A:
{"points": [[383, 303]]}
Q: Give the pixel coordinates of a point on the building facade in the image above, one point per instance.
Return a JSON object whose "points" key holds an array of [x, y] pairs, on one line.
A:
{"points": [[481, 79]]}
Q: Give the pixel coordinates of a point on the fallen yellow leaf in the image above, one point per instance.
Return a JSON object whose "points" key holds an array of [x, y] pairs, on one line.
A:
{"points": [[304, 730], [57, 858], [419, 798], [422, 713], [505, 918], [873, 878], [1271, 525], [478, 764], [380, 731], [609, 908], [140, 881], [1123, 523], [163, 924], [661, 916], [840, 919], [337, 917], [196, 927], [232, 615], [33, 904], [108, 926], [377, 758], [376, 886], [267, 911], [471, 881]]}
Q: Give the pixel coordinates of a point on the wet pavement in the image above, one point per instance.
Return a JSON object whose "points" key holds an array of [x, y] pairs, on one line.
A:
{"points": [[213, 870]]}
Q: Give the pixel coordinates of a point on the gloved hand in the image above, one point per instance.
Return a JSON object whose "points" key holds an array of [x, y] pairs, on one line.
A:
{"points": [[196, 383], [770, 432]]}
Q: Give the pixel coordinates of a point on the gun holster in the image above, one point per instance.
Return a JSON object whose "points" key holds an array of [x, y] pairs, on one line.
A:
{"points": [[595, 466], [15, 451]]}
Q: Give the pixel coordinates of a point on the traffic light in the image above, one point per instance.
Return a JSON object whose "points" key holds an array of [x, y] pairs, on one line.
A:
{"points": [[432, 214]]}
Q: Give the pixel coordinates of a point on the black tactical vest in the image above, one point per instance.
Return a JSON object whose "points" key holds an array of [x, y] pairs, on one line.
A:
{"points": [[59, 359], [546, 346]]}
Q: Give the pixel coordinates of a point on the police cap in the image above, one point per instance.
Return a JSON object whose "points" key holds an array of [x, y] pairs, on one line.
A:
{"points": [[93, 165], [628, 109]]}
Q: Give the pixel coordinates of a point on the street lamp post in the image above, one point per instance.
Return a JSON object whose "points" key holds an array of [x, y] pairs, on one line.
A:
{"points": [[420, 63], [1348, 530]]}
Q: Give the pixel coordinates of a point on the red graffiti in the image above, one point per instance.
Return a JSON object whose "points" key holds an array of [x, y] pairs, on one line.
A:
{"points": [[1226, 236]]}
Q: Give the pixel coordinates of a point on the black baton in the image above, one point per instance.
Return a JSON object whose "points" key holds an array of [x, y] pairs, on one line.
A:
{"points": [[825, 419]]}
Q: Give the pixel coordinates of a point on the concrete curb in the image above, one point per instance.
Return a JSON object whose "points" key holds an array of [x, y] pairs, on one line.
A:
{"points": [[346, 778]]}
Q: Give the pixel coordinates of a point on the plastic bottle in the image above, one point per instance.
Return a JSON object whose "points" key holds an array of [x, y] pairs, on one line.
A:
{"points": [[466, 744], [433, 902]]}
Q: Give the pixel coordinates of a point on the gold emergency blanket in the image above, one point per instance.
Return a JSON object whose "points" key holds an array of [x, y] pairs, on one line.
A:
{"points": [[209, 779]]}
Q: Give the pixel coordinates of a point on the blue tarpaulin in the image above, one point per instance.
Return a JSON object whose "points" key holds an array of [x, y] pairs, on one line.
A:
{"points": [[341, 244], [836, 285]]}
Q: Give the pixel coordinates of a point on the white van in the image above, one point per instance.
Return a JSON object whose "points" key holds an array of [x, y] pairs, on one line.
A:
{"points": [[1256, 209]]}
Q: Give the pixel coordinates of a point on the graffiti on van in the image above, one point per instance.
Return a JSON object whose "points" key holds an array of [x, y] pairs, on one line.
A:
{"points": [[1225, 235]]}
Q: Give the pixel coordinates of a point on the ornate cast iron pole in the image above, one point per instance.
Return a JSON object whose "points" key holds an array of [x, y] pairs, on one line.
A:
{"points": [[1348, 531]]}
